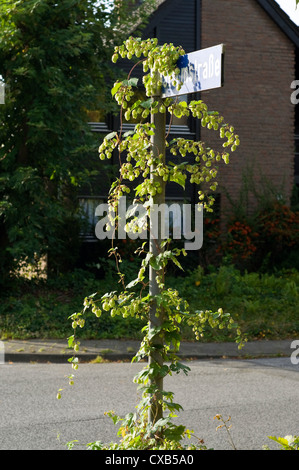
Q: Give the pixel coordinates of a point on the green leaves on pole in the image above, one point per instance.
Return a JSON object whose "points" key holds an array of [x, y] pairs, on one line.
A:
{"points": [[141, 156]]}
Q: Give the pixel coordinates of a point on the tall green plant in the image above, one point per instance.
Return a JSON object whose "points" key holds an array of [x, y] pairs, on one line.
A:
{"points": [[151, 425], [55, 63]]}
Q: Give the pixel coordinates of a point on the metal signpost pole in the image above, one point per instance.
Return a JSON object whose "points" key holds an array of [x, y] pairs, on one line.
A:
{"points": [[156, 320]]}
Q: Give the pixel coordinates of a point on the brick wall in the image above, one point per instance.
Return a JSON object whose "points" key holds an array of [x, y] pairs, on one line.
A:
{"points": [[259, 68]]}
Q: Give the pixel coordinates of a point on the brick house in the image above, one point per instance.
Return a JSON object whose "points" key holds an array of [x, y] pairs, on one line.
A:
{"points": [[261, 46], [261, 62]]}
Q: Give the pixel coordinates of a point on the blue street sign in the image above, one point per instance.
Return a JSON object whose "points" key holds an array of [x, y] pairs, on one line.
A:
{"points": [[200, 70]]}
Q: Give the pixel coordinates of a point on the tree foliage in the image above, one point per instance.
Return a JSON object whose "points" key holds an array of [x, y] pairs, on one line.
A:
{"points": [[55, 62]]}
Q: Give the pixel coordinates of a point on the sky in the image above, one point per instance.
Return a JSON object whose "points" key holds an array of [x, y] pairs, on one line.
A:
{"points": [[289, 6]]}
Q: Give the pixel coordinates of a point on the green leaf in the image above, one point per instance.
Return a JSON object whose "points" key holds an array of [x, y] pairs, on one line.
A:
{"points": [[71, 341], [110, 136], [179, 178], [140, 187], [131, 82], [286, 442], [132, 283], [178, 367], [152, 332], [160, 423], [116, 88], [174, 433], [176, 262], [164, 370], [135, 105], [147, 104], [155, 263], [127, 134]]}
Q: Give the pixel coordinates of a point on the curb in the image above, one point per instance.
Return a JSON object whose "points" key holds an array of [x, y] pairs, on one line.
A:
{"points": [[126, 357], [51, 351]]}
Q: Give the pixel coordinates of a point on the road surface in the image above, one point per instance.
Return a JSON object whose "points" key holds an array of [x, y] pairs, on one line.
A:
{"points": [[261, 396]]}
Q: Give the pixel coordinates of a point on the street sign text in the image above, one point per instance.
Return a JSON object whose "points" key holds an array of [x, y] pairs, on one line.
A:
{"points": [[200, 70]]}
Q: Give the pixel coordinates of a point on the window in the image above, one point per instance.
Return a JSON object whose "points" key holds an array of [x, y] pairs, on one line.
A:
{"points": [[88, 206]]}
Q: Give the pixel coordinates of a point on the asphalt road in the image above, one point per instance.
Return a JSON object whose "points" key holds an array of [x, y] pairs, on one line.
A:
{"points": [[261, 396]]}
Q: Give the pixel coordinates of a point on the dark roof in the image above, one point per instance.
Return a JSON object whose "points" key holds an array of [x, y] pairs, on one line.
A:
{"points": [[281, 19], [271, 7]]}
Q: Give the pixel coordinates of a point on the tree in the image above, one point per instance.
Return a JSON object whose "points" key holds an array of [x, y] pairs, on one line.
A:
{"points": [[55, 62], [141, 155]]}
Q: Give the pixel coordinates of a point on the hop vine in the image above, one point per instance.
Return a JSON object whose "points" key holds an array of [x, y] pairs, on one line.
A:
{"points": [[139, 160]]}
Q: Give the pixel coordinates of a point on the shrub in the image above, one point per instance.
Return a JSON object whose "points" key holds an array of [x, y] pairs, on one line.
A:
{"points": [[265, 240]]}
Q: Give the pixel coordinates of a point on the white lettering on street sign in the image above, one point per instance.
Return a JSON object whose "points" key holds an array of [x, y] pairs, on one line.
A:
{"points": [[200, 70]]}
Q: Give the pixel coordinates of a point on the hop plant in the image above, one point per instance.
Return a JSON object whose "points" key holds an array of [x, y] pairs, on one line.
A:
{"points": [[140, 157]]}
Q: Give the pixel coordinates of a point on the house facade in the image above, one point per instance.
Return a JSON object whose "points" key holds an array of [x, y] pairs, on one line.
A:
{"points": [[261, 62], [260, 65]]}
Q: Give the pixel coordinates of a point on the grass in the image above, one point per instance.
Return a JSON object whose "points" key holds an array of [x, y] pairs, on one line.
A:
{"points": [[40, 309], [264, 305]]}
